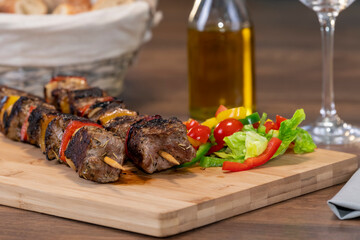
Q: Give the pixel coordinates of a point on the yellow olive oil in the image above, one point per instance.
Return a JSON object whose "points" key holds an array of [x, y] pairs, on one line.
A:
{"points": [[221, 70]]}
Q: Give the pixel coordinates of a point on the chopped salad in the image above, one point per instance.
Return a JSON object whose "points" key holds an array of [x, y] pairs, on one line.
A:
{"points": [[237, 141]]}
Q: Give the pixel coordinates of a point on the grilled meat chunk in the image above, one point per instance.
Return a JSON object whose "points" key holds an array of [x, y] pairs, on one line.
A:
{"points": [[19, 113], [121, 125], [65, 100], [7, 91], [55, 131], [35, 119], [63, 82], [146, 138], [87, 150]]}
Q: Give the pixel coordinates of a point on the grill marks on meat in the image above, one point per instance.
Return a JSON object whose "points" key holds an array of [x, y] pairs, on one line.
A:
{"points": [[87, 148], [7, 91], [147, 137], [54, 134], [63, 82], [35, 119], [90, 142], [121, 125], [73, 97]]}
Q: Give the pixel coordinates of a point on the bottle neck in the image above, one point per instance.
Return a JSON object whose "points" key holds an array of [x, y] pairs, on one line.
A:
{"points": [[222, 15]]}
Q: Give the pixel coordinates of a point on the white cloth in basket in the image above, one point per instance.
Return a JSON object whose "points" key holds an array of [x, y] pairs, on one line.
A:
{"points": [[56, 40]]}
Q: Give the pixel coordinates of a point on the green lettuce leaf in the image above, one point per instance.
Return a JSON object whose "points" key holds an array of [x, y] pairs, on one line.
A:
{"points": [[255, 144], [244, 145], [289, 130], [304, 142], [236, 143]]}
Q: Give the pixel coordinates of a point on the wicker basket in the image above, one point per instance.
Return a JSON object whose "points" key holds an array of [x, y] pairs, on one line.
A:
{"points": [[108, 74], [106, 71]]}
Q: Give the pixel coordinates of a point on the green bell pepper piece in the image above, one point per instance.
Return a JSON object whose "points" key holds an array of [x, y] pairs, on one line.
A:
{"points": [[251, 119], [203, 149]]}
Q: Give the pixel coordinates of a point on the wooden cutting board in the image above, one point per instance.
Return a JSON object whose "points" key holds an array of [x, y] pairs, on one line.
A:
{"points": [[165, 203]]}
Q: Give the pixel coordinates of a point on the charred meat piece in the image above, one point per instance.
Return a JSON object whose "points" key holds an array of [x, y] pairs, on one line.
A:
{"points": [[79, 98], [65, 99], [19, 113], [63, 82], [54, 134], [121, 125], [60, 100], [35, 122], [83, 107], [88, 149], [7, 91], [147, 138]]}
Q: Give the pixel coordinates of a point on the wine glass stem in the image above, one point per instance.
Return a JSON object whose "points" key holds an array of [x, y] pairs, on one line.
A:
{"points": [[327, 26]]}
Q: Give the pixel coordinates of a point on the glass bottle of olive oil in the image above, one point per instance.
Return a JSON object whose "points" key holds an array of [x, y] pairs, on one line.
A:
{"points": [[220, 57]]}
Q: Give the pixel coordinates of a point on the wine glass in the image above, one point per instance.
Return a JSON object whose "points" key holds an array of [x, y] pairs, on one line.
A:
{"points": [[329, 128]]}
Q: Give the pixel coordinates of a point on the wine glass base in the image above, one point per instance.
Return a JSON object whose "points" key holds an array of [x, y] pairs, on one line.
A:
{"points": [[332, 130]]}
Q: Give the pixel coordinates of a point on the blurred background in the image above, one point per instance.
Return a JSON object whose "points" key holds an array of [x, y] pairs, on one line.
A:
{"points": [[288, 60]]}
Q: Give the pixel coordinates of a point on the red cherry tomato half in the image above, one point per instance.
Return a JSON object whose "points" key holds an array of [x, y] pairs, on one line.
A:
{"points": [[226, 128], [220, 109], [191, 123], [200, 133]]}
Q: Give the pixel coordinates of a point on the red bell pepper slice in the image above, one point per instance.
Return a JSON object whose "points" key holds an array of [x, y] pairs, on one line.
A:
{"points": [[24, 127], [215, 148], [83, 109], [69, 131], [250, 163], [279, 120], [61, 78]]}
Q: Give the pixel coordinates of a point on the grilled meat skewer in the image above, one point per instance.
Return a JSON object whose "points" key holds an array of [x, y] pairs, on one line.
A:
{"points": [[153, 143], [96, 154]]}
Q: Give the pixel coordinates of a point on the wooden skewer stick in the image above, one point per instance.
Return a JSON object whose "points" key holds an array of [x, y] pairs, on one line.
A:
{"points": [[113, 163], [168, 157], [70, 163]]}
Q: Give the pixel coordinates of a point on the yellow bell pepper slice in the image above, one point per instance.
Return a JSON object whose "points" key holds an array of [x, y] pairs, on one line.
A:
{"points": [[43, 126], [237, 113], [194, 142], [10, 101], [116, 113], [65, 106], [211, 122]]}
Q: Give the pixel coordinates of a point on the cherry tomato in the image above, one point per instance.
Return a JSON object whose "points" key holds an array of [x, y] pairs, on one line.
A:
{"points": [[191, 123], [200, 133], [220, 109], [226, 128]]}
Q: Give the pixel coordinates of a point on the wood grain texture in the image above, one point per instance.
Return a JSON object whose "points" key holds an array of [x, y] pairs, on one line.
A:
{"points": [[288, 76], [165, 203]]}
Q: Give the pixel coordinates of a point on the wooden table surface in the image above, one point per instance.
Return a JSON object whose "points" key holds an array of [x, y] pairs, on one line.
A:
{"points": [[288, 74]]}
